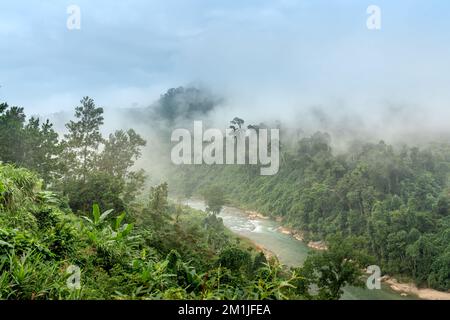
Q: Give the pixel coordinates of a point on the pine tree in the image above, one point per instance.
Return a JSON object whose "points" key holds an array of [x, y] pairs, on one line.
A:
{"points": [[83, 139], [42, 149]]}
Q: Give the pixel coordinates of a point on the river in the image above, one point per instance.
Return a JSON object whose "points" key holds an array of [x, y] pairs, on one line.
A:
{"points": [[290, 251]]}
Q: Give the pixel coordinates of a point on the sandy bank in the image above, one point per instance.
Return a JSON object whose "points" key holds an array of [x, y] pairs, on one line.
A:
{"points": [[411, 288]]}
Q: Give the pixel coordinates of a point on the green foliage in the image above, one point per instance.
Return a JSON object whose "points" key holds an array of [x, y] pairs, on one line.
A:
{"points": [[331, 271], [156, 210], [83, 139], [102, 177], [395, 201], [163, 255], [42, 150], [29, 277], [214, 198], [34, 145], [12, 121], [235, 259], [372, 204]]}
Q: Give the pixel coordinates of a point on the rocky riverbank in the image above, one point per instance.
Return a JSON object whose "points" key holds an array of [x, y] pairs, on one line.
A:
{"points": [[406, 289], [315, 245], [255, 215]]}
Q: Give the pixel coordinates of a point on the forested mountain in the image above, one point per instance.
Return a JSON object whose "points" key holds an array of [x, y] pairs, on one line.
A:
{"points": [[391, 203]]}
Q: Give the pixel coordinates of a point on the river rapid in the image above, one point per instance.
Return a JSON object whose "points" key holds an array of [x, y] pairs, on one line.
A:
{"points": [[290, 251]]}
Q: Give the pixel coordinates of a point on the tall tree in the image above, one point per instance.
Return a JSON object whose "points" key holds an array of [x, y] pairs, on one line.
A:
{"points": [[121, 150], [214, 198], [103, 177], [33, 145], [12, 120], [157, 207], [83, 139], [331, 270], [42, 149]]}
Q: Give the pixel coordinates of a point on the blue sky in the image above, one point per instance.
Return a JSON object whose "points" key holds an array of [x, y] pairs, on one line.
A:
{"points": [[270, 54]]}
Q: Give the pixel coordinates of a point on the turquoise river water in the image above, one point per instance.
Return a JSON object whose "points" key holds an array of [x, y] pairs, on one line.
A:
{"points": [[290, 251]]}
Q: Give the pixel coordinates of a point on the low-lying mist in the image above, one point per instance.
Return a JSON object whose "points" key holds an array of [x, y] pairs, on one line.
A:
{"points": [[346, 121]]}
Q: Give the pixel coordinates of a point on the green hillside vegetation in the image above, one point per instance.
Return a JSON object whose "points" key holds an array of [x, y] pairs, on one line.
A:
{"points": [[392, 203]]}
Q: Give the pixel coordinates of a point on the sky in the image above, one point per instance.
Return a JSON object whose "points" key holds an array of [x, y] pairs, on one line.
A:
{"points": [[272, 58]]}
